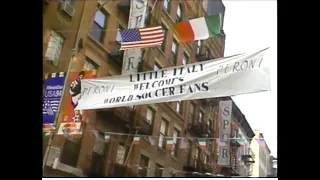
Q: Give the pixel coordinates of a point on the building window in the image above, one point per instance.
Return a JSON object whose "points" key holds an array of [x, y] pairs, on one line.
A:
{"points": [[156, 67], [198, 46], [144, 164], [166, 4], [54, 48], [89, 65], [70, 152], [210, 146], [179, 13], [185, 59], [191, 115], [200, 117], [176, 142], [150, 115], [158, 171], [99, 144], [163, 133], [209, 123], [174, 52], [179, 107], [121, 154], [99, 25], [207, 54], [205, 159], [197, 154], [165, 30], [147, 17], [187, 154]]}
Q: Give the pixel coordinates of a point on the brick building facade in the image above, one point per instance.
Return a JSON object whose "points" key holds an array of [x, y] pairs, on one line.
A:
{"points": [[83, 33]]}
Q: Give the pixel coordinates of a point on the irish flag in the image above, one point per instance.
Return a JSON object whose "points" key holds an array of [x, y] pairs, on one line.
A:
{"points": [[199, 28]]}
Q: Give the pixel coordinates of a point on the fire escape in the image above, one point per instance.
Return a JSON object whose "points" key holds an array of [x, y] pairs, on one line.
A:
{"points": [[235, 160], [115, 55], [134, 123], [249, 160], [194, 165], [124, 7], [195, 168]]}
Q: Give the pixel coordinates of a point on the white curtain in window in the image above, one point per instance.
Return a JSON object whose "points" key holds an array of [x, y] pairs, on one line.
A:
{"points": [[121, 154], [166, 4], [150, 115], [200, 116], [54, 48], [160, 140], [174, 47], [163, 127], [178, 106], [88, 66]]}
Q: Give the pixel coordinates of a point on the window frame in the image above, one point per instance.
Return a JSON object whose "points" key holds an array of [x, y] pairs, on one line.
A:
{"points": [[125, 153], [176, 142], [144, 171], [163, 134], [158, 170], [179, 18], [153, 115], [185, 59], [199, 44], [102, 32], [165, 30], [90, 62], [174, 54], [166, 5]]}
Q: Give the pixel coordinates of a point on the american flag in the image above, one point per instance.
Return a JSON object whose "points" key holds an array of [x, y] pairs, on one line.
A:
{"points": [[50, 107], [140, 38]]}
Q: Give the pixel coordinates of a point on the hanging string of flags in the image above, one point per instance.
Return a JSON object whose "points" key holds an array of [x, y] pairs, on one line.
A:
{"points": [[175, 172], [170, 140]]}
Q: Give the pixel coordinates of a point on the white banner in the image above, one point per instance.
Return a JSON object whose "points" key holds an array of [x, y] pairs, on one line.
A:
{"points": [[137, 17], [225, 114], [221, 77]]}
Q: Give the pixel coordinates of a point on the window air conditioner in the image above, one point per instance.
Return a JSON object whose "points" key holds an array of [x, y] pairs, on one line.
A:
{"points": [[67, 8]]}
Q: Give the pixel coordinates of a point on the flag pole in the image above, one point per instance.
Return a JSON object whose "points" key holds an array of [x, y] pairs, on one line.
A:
{"points": [[46, 155]]}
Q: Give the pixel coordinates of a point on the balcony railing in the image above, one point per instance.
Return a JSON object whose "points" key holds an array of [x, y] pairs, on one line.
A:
{"points": [[117, 115], [196, 165], [234, 143], [249, 158], [235, 165], [200, 128], [144, 126]]}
